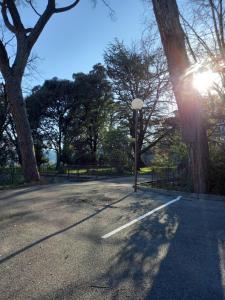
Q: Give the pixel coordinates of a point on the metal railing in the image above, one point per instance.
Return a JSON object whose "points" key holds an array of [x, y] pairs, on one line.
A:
{"points": [[169, 178], [11, 175], [83, 171]]}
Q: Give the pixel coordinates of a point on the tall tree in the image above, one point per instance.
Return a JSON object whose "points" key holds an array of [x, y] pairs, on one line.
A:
{"points": [[188, 100], [50, 110], [138, 74], [95, 96], [115, 147], [69, 116], [12, 71]]}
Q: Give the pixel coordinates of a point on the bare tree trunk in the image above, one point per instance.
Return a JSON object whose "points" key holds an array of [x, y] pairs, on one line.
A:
{"points": [[18, 110], [94, 153], [58, 159], [188, 100], [140, 163], [59, 150]]}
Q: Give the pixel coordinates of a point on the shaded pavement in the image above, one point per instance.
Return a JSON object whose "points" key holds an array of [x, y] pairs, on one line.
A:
{"points": [[51, 245]]}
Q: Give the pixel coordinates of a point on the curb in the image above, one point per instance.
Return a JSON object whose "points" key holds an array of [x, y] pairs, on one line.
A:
{"points": [[210, 197]]}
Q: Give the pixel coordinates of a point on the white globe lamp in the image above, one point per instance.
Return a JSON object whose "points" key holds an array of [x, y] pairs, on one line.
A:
{"points": [[137, 104]]}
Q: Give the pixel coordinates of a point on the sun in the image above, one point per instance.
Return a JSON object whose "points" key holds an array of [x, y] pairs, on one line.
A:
{"points": [[205, 81]]}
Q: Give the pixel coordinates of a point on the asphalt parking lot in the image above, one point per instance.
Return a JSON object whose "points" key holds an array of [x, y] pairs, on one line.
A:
{"points": [[87, 241]]}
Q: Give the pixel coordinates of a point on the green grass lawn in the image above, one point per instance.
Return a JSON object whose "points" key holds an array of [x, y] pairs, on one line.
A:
{"points": [[97, 171], [100, 171], [145, 170]]}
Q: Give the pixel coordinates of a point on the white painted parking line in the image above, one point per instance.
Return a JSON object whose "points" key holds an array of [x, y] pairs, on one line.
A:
{"points": [[140, 218]]}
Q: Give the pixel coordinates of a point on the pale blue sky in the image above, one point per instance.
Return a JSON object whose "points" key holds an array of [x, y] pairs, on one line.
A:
{"points": [[74, 41]]}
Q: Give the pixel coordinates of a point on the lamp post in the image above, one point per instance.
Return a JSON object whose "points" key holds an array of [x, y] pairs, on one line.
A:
{"points": [[137, 105]]}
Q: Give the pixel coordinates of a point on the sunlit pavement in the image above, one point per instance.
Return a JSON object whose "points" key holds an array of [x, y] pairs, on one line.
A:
{"points": [[51, 244]]}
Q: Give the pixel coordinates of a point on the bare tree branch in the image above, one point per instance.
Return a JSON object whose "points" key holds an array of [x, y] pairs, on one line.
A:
{"points": [[6, 19], [32, 6], [42, 21], [18, 25], [213, 8], [152, 144], [44, 18], [203, 43], [66, 8]]}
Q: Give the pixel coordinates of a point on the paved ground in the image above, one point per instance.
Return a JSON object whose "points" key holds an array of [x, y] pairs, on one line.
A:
{"points": [[51, 245]]}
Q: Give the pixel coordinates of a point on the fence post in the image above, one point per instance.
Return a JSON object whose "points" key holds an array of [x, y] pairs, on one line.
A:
{"points": [[12, 174]]}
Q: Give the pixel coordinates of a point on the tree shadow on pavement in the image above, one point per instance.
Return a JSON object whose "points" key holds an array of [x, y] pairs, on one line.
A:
{"points": [[47, 237], [172, 255], [177, 253], [134, 267], [12, 194]]}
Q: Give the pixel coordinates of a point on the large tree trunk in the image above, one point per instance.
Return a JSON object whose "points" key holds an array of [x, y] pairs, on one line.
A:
{"points": [[188, 100], [18, 109]]}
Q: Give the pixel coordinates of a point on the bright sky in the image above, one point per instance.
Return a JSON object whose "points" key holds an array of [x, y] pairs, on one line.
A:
{"points": [[74, 41]]}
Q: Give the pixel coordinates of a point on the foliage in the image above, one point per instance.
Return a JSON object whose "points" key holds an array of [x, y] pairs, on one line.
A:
{"points": [[48, 109], [217, 171], [95, 96], [7, 143], [171, 153], [116, 147], [136, 73], [69, 116]]}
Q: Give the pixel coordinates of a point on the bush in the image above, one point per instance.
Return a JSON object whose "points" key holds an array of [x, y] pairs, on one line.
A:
{"points": [[217, 173], [115, 148]]}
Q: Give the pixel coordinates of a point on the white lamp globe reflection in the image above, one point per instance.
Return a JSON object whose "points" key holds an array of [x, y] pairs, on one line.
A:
{"points": [[137, 104]]}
